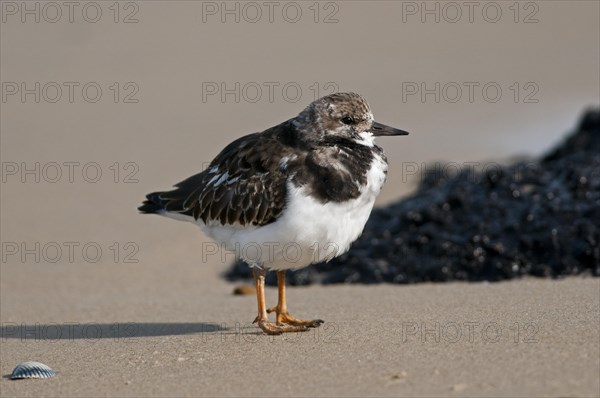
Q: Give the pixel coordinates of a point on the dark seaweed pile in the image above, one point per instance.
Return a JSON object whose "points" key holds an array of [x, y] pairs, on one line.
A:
{"points": [[539, 217]]}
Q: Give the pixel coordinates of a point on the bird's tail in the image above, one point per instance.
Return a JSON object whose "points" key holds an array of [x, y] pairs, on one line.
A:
{"points": [[153, 204]]}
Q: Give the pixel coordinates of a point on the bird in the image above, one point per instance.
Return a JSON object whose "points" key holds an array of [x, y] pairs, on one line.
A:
{"points": [[293, 195]]}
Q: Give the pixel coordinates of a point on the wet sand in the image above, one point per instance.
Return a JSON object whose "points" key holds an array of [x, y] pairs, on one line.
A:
{"points": [[177, 330]]}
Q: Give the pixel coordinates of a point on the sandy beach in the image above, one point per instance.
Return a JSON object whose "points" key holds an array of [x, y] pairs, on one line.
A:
{"points": [[151, 330]]}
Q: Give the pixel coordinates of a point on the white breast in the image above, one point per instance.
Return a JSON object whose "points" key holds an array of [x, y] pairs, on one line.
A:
{"points": [[308, 231]]}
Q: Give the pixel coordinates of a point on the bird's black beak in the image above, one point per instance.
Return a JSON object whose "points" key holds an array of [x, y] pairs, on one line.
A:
{"points": [[378, 129]]}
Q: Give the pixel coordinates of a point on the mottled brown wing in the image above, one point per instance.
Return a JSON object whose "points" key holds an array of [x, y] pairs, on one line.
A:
{"points": [[243, 185]]}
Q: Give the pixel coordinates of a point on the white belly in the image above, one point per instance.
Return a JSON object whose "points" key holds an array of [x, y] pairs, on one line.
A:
{"points": [[307, 232]]}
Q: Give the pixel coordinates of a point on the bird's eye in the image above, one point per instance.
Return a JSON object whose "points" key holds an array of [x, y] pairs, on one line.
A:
{"points": [[348, 120]]}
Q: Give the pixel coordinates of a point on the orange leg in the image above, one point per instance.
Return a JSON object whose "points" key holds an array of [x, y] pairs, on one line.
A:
{"points": [[283, 316], [262, 318]]}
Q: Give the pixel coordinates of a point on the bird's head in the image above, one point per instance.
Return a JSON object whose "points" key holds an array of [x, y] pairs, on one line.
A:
{"points": [[346, 115]]}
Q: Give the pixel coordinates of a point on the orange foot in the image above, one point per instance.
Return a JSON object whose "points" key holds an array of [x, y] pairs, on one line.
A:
{"points": [[284, 318], [276, 329]]}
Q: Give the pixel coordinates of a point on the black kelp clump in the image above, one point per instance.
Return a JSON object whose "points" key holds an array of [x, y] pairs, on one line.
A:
{"points": [[539, 217]]}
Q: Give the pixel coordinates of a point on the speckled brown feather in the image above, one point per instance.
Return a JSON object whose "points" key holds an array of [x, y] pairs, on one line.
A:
{"points": [[246, 184], [252, 187]]}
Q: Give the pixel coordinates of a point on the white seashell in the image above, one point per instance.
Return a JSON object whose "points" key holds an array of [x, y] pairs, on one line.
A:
{"points": [[32, 370]]}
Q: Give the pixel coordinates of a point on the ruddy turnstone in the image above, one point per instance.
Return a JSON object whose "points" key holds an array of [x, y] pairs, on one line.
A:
{"points": [[293, 195]]}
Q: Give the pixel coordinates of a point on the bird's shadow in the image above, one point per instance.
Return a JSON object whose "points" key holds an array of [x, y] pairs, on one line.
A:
{"points": [[125, 331], [96, 331]]}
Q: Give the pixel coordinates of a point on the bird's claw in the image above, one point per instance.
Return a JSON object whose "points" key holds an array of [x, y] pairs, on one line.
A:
{"points": [[277, 329], [285, 319]]}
